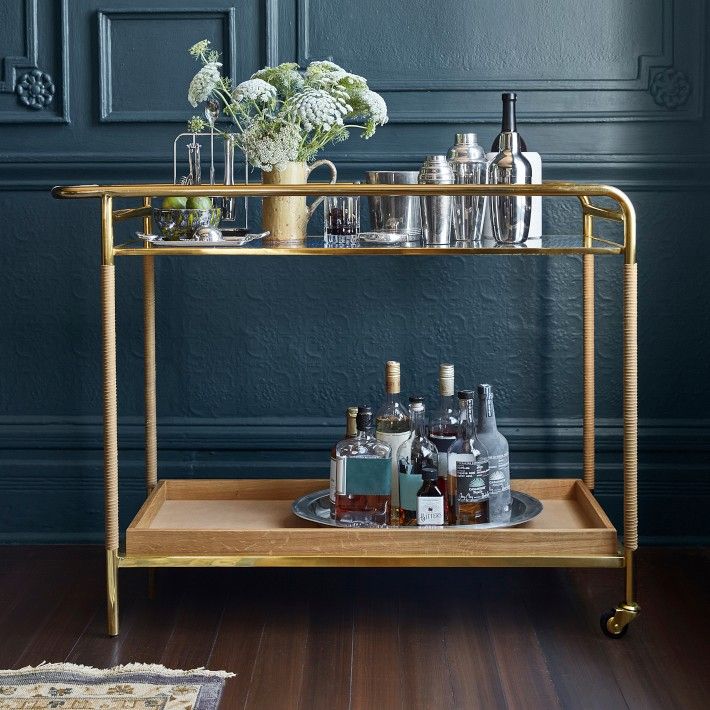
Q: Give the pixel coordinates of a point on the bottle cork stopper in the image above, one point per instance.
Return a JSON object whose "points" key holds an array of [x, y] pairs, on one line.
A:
{"points": [[352, 412], [446, 380], [392, 377]]}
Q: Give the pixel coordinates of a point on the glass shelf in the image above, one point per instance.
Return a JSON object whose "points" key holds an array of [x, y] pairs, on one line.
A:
{"points": [[315, 246]]}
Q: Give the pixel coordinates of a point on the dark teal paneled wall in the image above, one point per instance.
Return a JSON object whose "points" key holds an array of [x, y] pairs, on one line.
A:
{"points": [[259, 358]]}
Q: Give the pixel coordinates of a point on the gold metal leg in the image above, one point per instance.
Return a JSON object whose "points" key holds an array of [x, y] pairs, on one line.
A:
{"points": [[151, 436], [112, 591], [110, 412]]}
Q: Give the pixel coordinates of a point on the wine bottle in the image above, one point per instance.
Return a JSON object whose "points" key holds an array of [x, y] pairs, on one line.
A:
{"points": [[350, 431], [509, 124]]}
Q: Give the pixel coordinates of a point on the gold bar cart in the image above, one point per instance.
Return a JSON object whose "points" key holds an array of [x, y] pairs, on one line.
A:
{"points": [[203, 523]]}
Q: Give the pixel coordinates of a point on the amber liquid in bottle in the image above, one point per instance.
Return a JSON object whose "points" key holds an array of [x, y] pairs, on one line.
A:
{"points": [[350, 432]]}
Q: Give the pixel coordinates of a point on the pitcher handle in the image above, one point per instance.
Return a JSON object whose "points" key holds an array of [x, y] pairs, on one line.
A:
{"points": [[333, 180]]}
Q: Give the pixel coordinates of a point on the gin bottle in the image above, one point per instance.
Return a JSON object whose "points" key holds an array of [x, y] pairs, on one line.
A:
{"points": [[445, 423], [350, 431], [500, 501], [392, 426], [362, 496], [415, 455], [430, 500], [468, 466]]}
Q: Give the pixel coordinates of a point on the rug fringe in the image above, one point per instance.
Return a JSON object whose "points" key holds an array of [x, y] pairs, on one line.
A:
{"points": [[155, 668]]}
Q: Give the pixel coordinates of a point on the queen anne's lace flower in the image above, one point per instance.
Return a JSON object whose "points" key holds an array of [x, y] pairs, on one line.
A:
{"points": [[377, 107], [285, 77], [269, 148], [199, 48], [203, 83], [317, 109], [255, 90]]}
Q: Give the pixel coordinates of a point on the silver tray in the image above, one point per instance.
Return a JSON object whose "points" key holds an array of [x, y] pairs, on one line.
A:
{"points": [[315, 507], [229, 241]]}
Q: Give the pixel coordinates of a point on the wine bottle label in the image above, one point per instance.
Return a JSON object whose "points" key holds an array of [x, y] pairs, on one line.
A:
{"points": [[395, 440], [471, 481], [499, 472], [430, 511], [363, 475], [409, 485]]}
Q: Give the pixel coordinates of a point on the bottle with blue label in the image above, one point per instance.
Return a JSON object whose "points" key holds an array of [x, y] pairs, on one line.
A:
{"points": [[499, 499], [363, 477]]}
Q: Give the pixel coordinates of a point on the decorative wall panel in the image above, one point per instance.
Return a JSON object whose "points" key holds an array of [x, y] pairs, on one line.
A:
{"points": [[632, 60], [34, 47]]}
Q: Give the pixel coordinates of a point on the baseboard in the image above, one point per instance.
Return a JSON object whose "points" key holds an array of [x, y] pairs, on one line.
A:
{"points": [[51, 483]]}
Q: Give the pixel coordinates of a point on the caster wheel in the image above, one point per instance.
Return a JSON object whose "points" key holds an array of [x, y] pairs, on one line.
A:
{"points": [[604, 620]]}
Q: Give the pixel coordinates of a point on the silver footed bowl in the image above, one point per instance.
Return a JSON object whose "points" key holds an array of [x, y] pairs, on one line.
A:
{"points": [[176, 224]]}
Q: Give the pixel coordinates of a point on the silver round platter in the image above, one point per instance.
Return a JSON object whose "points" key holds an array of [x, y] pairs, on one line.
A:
{"points": [[230, 238], [315, 507]]}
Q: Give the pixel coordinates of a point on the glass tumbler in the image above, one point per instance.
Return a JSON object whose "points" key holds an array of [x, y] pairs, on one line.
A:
{"points": [[341, 218]]}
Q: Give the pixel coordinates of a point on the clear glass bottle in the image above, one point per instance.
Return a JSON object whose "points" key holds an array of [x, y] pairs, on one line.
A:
{"points": [[500, 501], [362, 496], [444, 424], [468, 466], [392, 426], [350, 432], [415, 454], [430, 499]]}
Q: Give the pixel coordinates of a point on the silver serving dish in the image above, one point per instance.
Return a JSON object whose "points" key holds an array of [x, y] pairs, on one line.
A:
{"points": [[315, 507], [228, 240]]}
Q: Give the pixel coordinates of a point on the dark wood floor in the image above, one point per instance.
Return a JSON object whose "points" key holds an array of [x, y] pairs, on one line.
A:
{"points": [[379, 639]]}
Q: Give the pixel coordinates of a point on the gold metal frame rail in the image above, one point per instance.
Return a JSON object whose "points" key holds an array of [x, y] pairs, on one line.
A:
{"points": [[624, 214]]}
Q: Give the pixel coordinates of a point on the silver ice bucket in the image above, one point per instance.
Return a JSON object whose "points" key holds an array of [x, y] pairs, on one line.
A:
{"points": [[395, 214]]}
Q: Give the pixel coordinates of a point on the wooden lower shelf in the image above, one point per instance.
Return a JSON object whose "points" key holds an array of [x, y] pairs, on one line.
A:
{"points": [[193, 522]]}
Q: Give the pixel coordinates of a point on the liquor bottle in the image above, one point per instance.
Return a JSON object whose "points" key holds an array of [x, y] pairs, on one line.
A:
{"points": [[451, 473], [509, 124], [468, 465], [392, 426], [500, 501], [415, 454], [445, 423], [430, 499], [362, 496], [350, 431]]}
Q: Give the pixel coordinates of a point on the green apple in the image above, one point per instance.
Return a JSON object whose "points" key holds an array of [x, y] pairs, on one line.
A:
{"points": [[174, 203], [199, 203]]}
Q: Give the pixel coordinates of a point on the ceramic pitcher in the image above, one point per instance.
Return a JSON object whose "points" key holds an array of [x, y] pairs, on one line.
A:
{"points": [[287, 217]]}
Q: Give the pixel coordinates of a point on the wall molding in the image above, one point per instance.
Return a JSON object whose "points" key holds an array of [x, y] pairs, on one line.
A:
{"points": [[12, 66], [106, 19], [637, 173]]}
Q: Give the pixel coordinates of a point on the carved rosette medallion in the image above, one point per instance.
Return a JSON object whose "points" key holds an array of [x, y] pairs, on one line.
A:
{"points": [[35, 89], [670, 88]]}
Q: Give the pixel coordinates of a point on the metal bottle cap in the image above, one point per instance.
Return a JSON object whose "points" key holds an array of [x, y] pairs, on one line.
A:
{"points": [[416, 404], [485, 391], [392, 377], [468, 138], [466, 394], [429, 473], [446, 380], [364, 418]]}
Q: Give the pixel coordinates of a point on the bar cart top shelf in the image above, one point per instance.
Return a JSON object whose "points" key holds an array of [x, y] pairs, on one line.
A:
{"points": [[622, 212]]}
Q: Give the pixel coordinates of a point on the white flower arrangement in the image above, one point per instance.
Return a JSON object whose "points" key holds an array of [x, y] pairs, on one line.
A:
{"points": [[284, 114]]}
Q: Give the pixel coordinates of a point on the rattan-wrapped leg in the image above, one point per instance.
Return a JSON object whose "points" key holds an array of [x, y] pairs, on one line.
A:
{"points": [[108, 318], [588, 357], [151, 436]]}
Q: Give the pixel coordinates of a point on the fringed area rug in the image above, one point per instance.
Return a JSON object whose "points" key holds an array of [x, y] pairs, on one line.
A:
{"points": [[138, 686]]}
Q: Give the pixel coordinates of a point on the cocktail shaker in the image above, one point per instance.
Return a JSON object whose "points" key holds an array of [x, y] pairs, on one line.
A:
{"points": [[510, 214], [436, 210], [468, 162]]}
